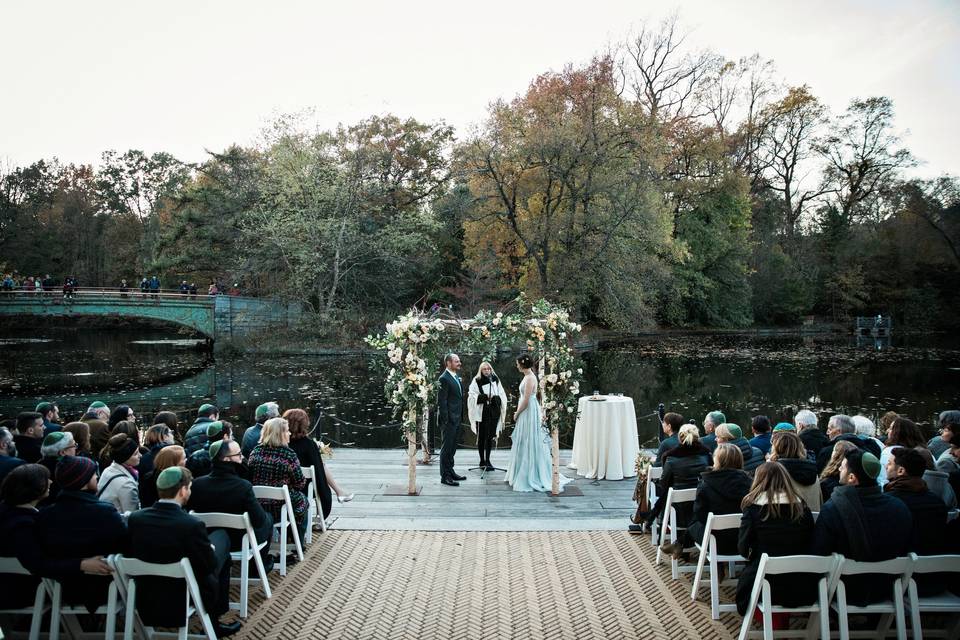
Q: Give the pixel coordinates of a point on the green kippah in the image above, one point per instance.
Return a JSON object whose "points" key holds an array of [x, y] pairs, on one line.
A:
{"points": [[784, 426], [735, 430], [169, 477], [204, 408], [43, 407], [97, 405], [215, 449], [263, 410], [214, 429], [870, 464], [54, 438]]}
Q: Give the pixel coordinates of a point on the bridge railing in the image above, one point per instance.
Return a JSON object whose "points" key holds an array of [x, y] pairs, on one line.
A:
{"points": [[101, 293]]}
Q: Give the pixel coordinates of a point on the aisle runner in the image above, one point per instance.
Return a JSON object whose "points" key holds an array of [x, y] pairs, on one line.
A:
{"points": [[448, 586]]}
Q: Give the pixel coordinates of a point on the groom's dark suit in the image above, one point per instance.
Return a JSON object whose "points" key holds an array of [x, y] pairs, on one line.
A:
{"points": [[449, 413]]}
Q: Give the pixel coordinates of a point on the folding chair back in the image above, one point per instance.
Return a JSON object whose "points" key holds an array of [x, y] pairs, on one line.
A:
{"points": [[287, 520], [943, 603], [315, 511], [653, 474], [670, 526], [887, 608], [67, 614], [709, 553], [129, 569], [12, 566], [760, 597], [249, 550]]}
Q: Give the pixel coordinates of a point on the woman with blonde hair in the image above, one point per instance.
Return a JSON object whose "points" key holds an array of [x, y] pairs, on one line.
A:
{"points": [[776, 522], [787, 448], [273, 463], [830, 476], [487, 410], [720, 491]]}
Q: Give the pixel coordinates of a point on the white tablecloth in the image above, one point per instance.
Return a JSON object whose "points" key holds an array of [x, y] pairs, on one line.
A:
{"points": [[605, 442]]}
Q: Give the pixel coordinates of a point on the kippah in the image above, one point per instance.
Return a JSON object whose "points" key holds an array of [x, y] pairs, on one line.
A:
{"points": [[870, 464], [44, 407], [215, 449], [204, 407], [784, 426], [54, 444], [54, 438], [169, 477], [96, 404], [263, 410], [735, 430], [214, 429]]}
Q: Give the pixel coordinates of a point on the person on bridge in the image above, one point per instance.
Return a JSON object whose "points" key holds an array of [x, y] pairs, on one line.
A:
{"points": [[144, 285], [155, 287], [196, 436], [184, 288]]}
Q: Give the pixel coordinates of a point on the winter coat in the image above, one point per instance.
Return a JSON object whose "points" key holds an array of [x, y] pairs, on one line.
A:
{"points": [[668, 443], [196, 436], [309, 455], [803, 477], [118, 487], [681, 470], [719, 492], [867, 444], [864, 524], [938, 483], [763, 442], [814, 439], [827, 485], [752, 457], [760, 532]]}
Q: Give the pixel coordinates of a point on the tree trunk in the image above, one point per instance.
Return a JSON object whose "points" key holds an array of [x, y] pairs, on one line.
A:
{"points": [[336, 269]]}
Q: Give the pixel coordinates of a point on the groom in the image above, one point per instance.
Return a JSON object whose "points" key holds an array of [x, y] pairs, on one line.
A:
{"points": [[450, 411]]}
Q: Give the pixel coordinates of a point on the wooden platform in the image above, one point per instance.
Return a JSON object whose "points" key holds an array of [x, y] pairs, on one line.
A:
{"points": [[483, 502]]}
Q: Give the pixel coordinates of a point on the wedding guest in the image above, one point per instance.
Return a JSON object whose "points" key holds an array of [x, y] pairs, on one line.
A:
{"points": [[51, 417], [903, 432], [712, 420], [118, 484], [776, 522], [121, 413], [830, 476], [273, 463], [810, 434], [29, 437], [788, 450], [760, 425], [81, 435], [729, 432], [309, 455], [8, 454], [130, 430], [682, 467], [868, 431], [96, 416], [721, 490], [196, 436], [670, 424], [949, 421], [839, 428], [157, 437], [264, 412], [55, 446], [938, 482], [169, 456]]}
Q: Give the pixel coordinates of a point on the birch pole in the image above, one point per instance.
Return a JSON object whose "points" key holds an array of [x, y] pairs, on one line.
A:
{"points": [[412, 457], [554, 433]]}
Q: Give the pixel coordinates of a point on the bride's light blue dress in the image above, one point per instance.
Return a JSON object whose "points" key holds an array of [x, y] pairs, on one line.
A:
{"points": [[530, 467]]}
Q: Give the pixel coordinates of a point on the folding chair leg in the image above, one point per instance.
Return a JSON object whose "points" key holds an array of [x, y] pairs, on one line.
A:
{"points": [[111, 629], [55, 613], [131, 612], [842, 612], [915, 612], [698, 575], [183, 633], [714, 589], [37, 619], [244, 577], [264, 582], [208, 627]]}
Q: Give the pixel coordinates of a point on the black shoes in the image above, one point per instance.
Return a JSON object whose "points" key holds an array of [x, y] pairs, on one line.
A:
{"points": [[449, 482], [224, 629], [489, 467], [454, 476]]}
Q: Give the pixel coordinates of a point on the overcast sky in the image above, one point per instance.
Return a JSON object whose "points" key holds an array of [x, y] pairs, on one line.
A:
{"points": [[185, 76]]}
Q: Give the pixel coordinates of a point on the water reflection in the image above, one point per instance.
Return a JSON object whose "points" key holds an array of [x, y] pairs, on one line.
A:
{"points": [[742, 376]]}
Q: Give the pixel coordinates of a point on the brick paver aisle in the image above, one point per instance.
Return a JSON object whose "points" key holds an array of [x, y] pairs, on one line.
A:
{"points": [[475, 585]]}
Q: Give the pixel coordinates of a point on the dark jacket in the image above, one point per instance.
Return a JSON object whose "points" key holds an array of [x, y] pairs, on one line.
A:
{"points": [[449, 401], [682, 467], [146, 458], [761, 533], [251, 437], [50, 427], [28, 449], [165, 533], [763, 442], [80, 525], [814, 439], [709, 442], [147, 484], [827, 486], [309, 455], [20, 541], [8, 464], [224, 491], [668, 443], [752, 457], [864, 524], [196, 436], [929, 536], [867, 444], [719, 492]]}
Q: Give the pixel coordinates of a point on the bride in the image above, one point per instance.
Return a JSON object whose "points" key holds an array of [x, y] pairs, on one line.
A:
{"points": [[530, 467]]}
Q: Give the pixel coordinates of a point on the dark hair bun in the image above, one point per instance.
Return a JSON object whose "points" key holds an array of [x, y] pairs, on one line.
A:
{"points": [[525, 361]]}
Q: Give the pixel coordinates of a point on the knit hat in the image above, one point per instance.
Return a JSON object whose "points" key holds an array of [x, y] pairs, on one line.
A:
{"points": [[56, 442], [122, 448], [735, 430], [784, 426], [214, 429], [43, 407], [215, 449], [96, 404], [74, 472], [169, 477]]}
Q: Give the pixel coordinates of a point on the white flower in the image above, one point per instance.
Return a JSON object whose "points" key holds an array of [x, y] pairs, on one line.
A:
{"points": [[496, 321], [580, 371], [569, 409], [499, 314], [552, 378], [563, 335]]}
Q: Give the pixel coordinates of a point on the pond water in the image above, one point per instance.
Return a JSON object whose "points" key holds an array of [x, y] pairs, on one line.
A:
{"points": [[741, 375]]}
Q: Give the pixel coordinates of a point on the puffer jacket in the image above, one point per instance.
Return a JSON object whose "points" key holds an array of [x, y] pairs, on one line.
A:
{"points": [[752, 457], [196, 436], [682, 467], [803, 476], [720, 492]]}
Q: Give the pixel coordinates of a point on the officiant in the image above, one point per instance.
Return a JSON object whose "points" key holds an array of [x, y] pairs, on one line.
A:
{"points": [[487, 410]]}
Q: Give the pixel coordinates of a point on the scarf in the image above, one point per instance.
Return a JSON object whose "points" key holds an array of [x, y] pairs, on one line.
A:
{"points": [[852, 517], [910, 484]]}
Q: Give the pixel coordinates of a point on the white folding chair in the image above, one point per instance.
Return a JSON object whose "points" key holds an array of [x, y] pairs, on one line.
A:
{"points": [[129, 569], [249, 550], [653, 473], [287, 521], [943, 603], [709, 553], [314, 510], [12, 566], [760, 598], [887, 608], [671, 528], [67, 614]]}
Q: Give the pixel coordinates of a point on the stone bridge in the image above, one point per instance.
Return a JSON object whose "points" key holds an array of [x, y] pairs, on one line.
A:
{"points": [[216, 317]]}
